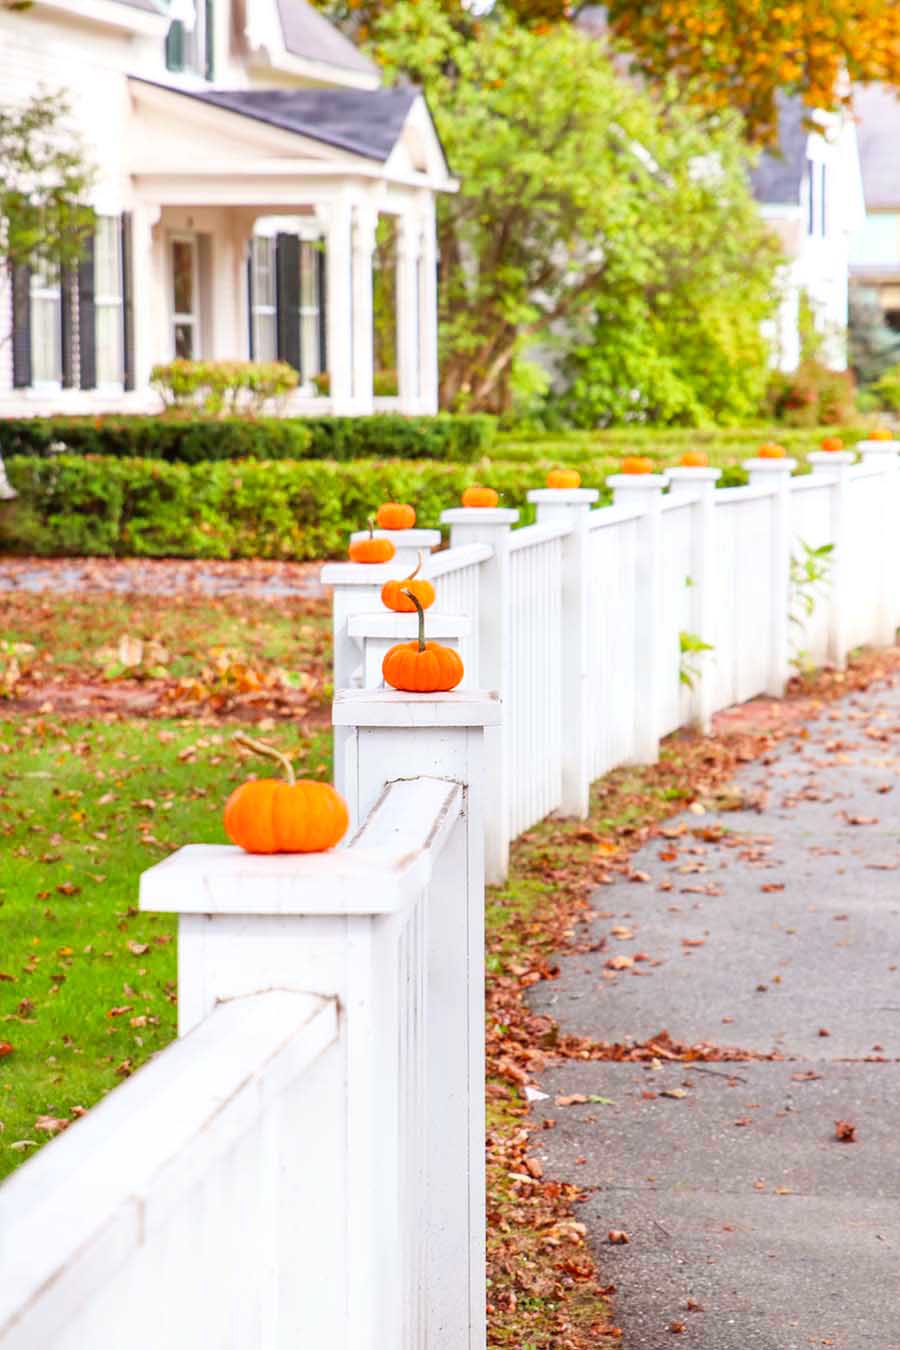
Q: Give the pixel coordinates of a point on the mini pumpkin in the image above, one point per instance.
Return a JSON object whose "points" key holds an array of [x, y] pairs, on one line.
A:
{"points": [[395, 594], [637, 464], [370, 549], [422, 667], [881, 434], [831, 444], [270, 816], [395, 516], [694, 459], [771, 450], [563, 478], [480, 496]]}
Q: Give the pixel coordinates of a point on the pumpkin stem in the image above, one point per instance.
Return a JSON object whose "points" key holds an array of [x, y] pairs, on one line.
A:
{"points": [[421, 613], [371, 527], [415, 572], [262, 748]]}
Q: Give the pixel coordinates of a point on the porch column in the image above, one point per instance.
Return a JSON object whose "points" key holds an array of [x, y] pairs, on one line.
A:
{"points": [[363, 237], [337, 220], [144, 216], [428, 314], [409, 250]]}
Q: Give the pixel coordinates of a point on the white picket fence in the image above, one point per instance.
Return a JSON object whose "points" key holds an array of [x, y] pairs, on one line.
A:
{"points": [[580, 621], [304, 1168]]}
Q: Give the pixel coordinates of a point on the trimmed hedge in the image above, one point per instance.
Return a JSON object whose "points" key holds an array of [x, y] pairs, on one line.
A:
{"points": [[305, 509], [194, 440]]}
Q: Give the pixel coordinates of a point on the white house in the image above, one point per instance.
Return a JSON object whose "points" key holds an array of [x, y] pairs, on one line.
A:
{"points": [[875, 255], [244, 151], [810, 190]]}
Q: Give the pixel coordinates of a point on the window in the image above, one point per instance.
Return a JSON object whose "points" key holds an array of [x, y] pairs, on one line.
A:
{"points": [[46, 325], [823, 199], [108, 300], [310, 310], [190, 42], [264, 316], [185, 336]]}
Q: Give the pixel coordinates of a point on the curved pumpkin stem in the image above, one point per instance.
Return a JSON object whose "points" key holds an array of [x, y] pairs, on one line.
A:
{"points": [[262, 748], [371, 527], [421, 613], [415, 572]]}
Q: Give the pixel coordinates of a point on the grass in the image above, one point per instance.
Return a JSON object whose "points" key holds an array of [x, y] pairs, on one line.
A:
{"points": [[87, 983]]}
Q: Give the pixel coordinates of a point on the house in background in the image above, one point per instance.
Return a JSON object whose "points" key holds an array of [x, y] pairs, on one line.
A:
{"points": [[875, 254], [810, 191], [245, 152]]}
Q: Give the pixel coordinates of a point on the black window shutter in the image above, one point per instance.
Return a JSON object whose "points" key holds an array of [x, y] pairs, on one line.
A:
{"points": [[127, 251], [175, 46], [210, 32], [321, 271], [68, 284], [287, 298], [21, 331], [250, 340], [87, 338]]}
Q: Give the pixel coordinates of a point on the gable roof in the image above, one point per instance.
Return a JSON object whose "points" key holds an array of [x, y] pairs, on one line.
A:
{"points": [[365, 122], [778, 177], [877, 112], [307, 33]]}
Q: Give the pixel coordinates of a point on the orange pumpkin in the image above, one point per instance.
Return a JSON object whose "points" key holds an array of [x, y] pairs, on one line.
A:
{"points": [[637, 464], [694, 459], [771, 450], [269, 816], [422, 667], [395, 516], [563, 478], [480, 496], [831, 444], [881, 434], [394, 593], [371, 550]]}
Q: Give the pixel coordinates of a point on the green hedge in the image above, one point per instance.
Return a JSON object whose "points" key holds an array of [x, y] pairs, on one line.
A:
{"points": [[305, 509], [194, 440]]}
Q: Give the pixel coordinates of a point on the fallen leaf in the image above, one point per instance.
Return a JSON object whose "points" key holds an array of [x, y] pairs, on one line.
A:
{"points": [[573, 1099], [51, 1124], [693, 1306], [5, 1049], [693, 942], [677, 1328], [823, 1031], [677, 1093], [771, 886], [845, 1132], [138, 948], [782, 1190], [120, 1012], [620, 963], [68, 888], [860, 820], [617, 1238]]}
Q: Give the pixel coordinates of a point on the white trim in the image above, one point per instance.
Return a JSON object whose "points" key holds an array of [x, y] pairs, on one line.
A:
{"points": [[111, 14]]}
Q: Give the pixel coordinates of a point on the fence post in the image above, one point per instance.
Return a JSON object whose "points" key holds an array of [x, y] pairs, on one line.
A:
{"points": [[835, 465], [572, 506], [884, 454], [491, 525], [700, 483], [378, 632], [393, 736], [775, 474], [644, 492]]}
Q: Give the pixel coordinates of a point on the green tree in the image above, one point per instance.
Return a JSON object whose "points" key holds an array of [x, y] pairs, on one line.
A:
{"points": [[44, 213], [581, 197]]}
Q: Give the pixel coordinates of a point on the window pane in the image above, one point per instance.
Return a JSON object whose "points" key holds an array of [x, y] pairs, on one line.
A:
{"points": [[183, 276], [107, 258], [309, 287], [108, 323], [46, 325], [184, 341], [264, 338], [263, 272]]}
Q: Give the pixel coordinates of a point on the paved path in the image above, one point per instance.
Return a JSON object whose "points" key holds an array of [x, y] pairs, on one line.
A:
{"points": [[161, 576], [735, 1193]]}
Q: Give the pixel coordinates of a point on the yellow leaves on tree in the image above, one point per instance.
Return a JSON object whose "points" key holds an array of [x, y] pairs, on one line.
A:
{"points": [[741, 54]]}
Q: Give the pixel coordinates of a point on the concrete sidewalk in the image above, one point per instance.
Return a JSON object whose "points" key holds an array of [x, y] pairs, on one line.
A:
{"points": [[750, 1226]]}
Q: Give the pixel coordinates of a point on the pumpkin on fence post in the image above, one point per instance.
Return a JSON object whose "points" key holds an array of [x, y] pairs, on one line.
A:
{"points": [[694, 459], [370, 549], [636, 464], [267, 815], [395, 516], [771, 450], [564, 478], [421, 667], [394, 593], [831, 444], [476, 495], [880, 434]]}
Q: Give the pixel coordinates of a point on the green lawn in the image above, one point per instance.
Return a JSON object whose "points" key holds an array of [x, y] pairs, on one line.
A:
{"points": [[87, 983]]}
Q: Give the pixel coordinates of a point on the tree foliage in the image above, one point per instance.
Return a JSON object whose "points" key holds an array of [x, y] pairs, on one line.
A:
{"points": [[44, 213], [740, 54], [580, 197]]}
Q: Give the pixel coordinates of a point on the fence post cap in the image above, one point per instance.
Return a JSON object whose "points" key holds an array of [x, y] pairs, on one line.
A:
{"points": [[564, 496], [403, 538], [773, 466], [358, 574], [878, 447], [637, 482], [396, 708], [824, 459], [690, 474], [480, 515]]}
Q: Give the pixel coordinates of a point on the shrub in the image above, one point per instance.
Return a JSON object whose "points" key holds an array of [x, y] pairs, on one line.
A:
{"points": [[886, 389], [812, 395], [191, 440], [223, 387]]}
